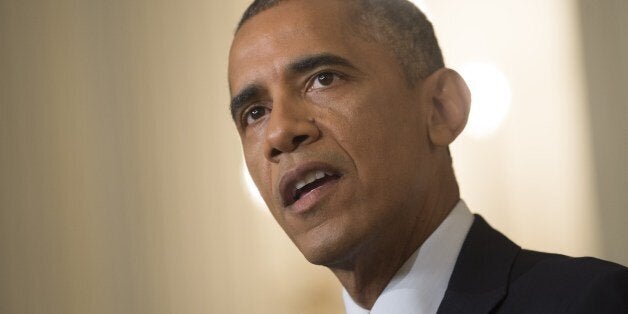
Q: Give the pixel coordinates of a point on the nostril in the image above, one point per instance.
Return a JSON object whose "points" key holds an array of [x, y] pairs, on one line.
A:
{"points": [[274, 152], [288, 147], [299, 139]]}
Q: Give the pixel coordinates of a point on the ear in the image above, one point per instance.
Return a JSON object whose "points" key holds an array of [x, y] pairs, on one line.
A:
{"points": [[450, 104]]}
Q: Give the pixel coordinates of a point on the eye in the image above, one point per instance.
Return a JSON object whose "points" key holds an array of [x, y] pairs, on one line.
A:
{"points": [[323, 80], [255, 113]]}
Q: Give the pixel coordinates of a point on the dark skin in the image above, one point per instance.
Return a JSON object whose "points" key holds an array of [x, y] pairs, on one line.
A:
{"points": [[309, 95]]}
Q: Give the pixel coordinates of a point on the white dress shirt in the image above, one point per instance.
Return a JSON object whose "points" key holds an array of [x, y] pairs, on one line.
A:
{"points": [[420, 284]]}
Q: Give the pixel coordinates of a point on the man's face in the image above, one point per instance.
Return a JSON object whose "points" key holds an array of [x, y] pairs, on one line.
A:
{"points": [[332, 134]]}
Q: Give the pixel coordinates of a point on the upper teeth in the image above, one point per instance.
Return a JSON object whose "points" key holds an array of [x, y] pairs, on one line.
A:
{"points": [[309, 178]]}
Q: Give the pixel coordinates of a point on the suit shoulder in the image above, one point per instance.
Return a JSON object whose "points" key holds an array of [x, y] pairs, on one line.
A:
{"points": [[558, 283], [606, 292], [561, 265]]}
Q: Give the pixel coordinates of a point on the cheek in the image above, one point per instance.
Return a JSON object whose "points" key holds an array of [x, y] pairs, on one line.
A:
{"points": [[258, 167], [385, 138], [379, 123]]}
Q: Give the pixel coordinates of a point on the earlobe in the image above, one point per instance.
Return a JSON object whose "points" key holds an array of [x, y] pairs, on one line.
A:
{"points": [[450, 104]]}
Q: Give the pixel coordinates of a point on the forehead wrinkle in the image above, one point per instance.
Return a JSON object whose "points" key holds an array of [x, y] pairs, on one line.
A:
{"points": [[289, 20], [312, 61], [248, 60]]}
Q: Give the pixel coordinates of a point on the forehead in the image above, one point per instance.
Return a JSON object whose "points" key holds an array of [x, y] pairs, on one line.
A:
{"points": [[288, 31]]}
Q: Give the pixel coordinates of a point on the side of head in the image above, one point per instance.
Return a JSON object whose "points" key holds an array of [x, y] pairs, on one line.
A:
{"points": [[344, 129]]}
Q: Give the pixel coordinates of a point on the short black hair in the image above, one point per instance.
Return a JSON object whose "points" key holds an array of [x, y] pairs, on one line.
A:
{"points": [[398, 24]]}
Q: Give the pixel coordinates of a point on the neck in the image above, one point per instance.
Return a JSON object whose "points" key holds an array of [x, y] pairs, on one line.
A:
{"points": [[370, 269]]}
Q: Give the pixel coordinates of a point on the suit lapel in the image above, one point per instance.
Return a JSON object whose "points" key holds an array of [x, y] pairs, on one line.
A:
{"points": [[480, 278]]}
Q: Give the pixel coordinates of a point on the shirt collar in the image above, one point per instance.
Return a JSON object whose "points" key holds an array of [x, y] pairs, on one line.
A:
{"points": [[420, 284]]}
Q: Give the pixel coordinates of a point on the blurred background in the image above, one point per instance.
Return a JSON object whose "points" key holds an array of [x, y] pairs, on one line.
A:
{"points": [[121, 181]]}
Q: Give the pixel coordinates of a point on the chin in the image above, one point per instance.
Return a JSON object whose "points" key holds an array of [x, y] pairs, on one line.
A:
{"points": [[328, 250]]}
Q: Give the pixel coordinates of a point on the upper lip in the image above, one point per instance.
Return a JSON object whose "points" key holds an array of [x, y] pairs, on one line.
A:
{"points": [[287, 183]]}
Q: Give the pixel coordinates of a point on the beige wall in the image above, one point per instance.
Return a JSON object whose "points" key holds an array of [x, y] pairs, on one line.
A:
{"points": [[120, 168], [604, 27], [120, 187]]}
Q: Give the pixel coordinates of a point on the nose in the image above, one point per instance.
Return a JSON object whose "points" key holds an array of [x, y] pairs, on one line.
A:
{"points": [[289, 127]]}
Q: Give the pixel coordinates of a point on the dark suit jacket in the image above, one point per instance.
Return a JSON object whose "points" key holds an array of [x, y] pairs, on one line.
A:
{"points": [[494, 275]]}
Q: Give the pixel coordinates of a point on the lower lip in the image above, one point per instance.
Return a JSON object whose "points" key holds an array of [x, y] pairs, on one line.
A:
{"points": [[308, 201]]}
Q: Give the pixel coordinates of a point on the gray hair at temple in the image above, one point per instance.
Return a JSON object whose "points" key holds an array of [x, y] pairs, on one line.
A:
{"points": [[398, 24]]}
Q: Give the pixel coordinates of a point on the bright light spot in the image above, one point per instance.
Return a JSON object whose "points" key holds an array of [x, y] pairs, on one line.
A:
{"points": [[423, 7], [491, 97], [252, 190]]}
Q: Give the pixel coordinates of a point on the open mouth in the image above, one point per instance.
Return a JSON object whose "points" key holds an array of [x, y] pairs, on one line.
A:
{"points": [[301, 185], [313, 181]]}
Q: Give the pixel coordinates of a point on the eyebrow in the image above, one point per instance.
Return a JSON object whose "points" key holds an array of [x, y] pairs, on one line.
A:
{"points": [[301, 65], [243, 97]]}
